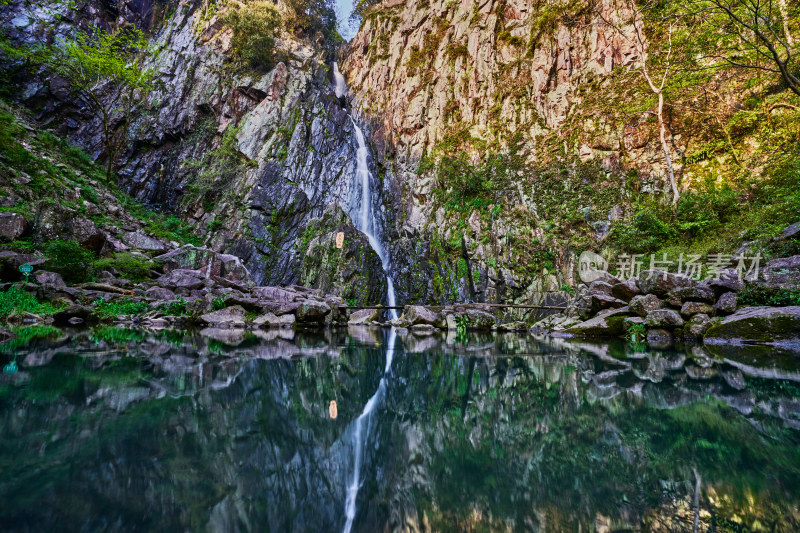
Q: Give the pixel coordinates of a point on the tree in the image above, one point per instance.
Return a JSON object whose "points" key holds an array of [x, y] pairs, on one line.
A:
{"points": [[254, 26], [655, 83], [310, 16], [95, 62], [760, 27]]}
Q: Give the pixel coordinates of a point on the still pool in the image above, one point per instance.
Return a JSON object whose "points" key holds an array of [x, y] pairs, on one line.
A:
{"points": [[378, 430]]}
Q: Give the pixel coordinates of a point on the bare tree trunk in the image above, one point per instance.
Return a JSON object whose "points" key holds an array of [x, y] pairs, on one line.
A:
{"points": [[664, 146], [785, 18]]}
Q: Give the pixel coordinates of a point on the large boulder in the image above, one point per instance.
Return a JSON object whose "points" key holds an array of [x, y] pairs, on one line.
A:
{"points": [[727, 280], [12, 226], [770, 325], [644, 303], [700, 293], [626, 290], [479, 319], [660, 283], [159, 293], [417, 314], [364, 316], [312, 312], [270, 320], [209, 262], [697, 326], [228, 317], [783, 272], [696, 308], [727, 304], [86, 232], [51, 279], [664, 318], [600, 326]]}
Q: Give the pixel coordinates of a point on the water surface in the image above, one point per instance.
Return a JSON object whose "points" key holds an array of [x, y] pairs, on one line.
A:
{"points": [[121, 430]]}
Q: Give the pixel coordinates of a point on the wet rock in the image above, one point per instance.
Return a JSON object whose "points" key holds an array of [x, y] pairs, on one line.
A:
{"points": [[660, 283], [12, 226], [230, 317], [727, 304], [697, 326], [727, 281], [693, 308], [782, 273], [701, 373], [51, 279], [182, 279], [643, 304], [626, 290], [159, 293], [479, 320], [631, 321], [664, 318], [659, 338], [734, 378], [772, 325], [142, 241], [79, 311]]}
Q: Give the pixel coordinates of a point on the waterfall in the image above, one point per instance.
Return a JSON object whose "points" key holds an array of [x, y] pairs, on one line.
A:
{"points": [[358, 440], [365, 222]]}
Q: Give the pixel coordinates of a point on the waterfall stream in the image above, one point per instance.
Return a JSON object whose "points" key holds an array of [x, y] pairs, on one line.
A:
{"points": [[365, 222]]}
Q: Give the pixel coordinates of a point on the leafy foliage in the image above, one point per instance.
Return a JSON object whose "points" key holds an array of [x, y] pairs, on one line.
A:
{"points": [[254, 26], [130, 266], [761, 295], [121, 306], [69, 259]]}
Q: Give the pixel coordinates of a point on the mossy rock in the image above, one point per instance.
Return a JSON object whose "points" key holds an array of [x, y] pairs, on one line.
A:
{"points": [[772, 325]]}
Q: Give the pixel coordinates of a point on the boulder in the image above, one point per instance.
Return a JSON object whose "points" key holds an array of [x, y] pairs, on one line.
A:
{"points": [[230, 317], [270, 320], [769, 325], [50, 279], [783, 272], [312, 312], [700, 293], [12, 226], [182, 279], [728, 280], [631, 321], [695, 308], [209, 262], [479, 320], [644, 303], [600, 287], [664, 318], [727, 304], [697, 326], [417, 314], [159, 293], [80, 311], [600, 326], [660, 283], [142, 241], [626, 290], [85, 232], [364, 316]]}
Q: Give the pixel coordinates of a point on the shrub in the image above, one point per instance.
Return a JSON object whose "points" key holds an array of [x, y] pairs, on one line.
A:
{"points": [[760, 295], [69, 259], [707, 208], [176, 308], [218, 303], [254, 25], [15, 300], [644, 234], [131, 266]]}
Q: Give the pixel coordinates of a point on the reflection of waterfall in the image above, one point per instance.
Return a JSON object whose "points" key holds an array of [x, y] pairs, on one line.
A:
{"points": [[365, 222], [359, 438]]}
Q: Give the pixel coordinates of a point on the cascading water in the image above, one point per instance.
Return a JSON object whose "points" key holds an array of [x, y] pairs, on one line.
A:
{"points": [[365, 222]]}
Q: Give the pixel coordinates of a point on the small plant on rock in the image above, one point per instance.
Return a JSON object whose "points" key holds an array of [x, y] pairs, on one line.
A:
{"points": [[462, 325], [218, 303]]}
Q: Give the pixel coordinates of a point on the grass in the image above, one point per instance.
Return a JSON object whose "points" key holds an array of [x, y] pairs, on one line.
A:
{"points": [[28, 334], [758, 295], [16, 301], [108, 309]]}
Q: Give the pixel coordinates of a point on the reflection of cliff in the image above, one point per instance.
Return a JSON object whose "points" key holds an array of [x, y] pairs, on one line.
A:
{"points": [[503, 432]]}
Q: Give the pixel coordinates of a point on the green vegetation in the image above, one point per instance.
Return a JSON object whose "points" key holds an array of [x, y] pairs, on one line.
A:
{"points": [[760, 295], [26, 335], [218, 303], [215, 172], [15, 301], [254, 27], [175, 308], [130, 266], [69, 259], [109, 309]]}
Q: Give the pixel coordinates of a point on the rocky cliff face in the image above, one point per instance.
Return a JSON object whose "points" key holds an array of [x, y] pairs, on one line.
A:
{"points": [[291, 139]]}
